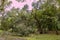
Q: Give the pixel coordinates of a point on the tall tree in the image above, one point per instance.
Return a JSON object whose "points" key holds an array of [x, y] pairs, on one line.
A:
{"points": [[2, 12], [46, 16]]}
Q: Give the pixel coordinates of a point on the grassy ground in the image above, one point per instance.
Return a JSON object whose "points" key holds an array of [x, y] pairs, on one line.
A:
{"points": [[44, 37], [33, 37]]}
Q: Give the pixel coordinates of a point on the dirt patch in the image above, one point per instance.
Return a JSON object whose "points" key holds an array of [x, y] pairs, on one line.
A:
{"points": [[10, 38]]}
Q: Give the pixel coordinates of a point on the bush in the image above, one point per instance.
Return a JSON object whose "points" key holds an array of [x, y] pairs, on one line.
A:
{"points": [[23, 30]]}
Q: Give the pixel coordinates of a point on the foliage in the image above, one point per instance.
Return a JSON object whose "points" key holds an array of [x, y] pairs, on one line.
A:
{"points": [[43, 18]]}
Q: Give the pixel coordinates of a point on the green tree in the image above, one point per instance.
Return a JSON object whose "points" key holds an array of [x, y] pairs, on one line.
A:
{"points": [[2, 12], [46, 17]]}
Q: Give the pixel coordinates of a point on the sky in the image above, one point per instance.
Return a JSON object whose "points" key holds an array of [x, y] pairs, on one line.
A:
{"points": [[20, 5]]}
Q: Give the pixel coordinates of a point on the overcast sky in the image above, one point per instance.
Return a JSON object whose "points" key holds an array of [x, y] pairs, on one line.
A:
{"points": [[20, 5]]}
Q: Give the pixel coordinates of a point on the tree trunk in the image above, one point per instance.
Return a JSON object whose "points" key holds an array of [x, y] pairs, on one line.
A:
{"points": [[56, 30]]}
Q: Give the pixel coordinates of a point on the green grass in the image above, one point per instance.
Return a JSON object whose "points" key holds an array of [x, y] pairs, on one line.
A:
{"points": [[34, 37], [44, 37]]}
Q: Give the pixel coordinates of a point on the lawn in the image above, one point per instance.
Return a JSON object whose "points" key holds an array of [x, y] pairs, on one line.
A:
{"points": [[44, 37], [33, 37]]}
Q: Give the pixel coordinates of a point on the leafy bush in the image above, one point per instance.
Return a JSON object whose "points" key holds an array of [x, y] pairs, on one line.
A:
{"points": [[23, 30]]}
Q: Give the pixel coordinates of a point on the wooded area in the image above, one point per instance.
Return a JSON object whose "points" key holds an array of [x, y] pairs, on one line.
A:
{"points": [[44, 18]]}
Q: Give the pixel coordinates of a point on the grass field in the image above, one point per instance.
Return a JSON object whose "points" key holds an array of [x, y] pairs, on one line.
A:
{"points": [[44, 37], [34, 37]]}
